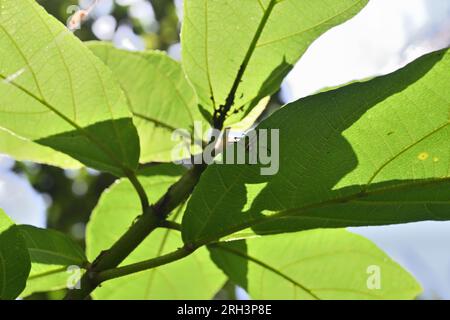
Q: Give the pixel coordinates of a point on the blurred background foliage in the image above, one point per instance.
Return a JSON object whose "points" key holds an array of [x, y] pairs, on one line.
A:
{"points": [[165, 13]]}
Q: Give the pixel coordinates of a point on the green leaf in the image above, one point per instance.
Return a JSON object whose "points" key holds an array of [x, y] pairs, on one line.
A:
{"points": [[14, 259], [233, 265], [247, 47], [252, 117], [194, 277], [371, 153], [51, 253], [160, 97], [26, 150], [318, 264], [57, 93]]}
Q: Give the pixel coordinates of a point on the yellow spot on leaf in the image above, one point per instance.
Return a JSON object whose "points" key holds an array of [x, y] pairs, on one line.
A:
{"points": [[423, 156], [435, 159]]}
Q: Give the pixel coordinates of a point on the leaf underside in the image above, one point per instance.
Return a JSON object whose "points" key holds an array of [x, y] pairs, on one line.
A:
{"points": [[73, 98], [378, 153], [317, 264], [245, 48], [194, 277], [51, 253], [159, 95]]}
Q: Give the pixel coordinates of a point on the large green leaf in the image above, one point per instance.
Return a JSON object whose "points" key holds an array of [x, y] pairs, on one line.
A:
{"points": [[57, 93], [194, 277], [370, 153], [317, 264], [51, 254], [14, 259], [255, 41], [160, 97]]}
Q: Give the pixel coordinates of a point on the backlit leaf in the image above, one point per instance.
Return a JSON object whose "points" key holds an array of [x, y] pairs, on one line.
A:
{"points": [[255, 41], [317, 264], [194, 277], [371, 153], [55, 92]]}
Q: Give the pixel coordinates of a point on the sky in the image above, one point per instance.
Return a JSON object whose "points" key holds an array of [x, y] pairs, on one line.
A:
{"points": [[383, 37], [18, 198]]}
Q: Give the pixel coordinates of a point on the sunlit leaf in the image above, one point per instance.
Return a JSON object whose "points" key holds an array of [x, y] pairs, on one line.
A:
{"points": [[371, 153], [52, 254], [26, 150], [255, 41], [318, 264], [194, 277], [57, 93], [159, 95]]}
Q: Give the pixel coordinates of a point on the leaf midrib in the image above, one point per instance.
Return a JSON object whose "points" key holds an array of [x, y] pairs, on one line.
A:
{"points": [[35, 248], [294, 212], [355, 196], [103, 148], [66, 67], [404, 150], [42, 100], [208, 74], [267, 267], [27, 63], [229, 102], [160, 250], [50, 253], [46, 273], [312, 27], [145, 58]]}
